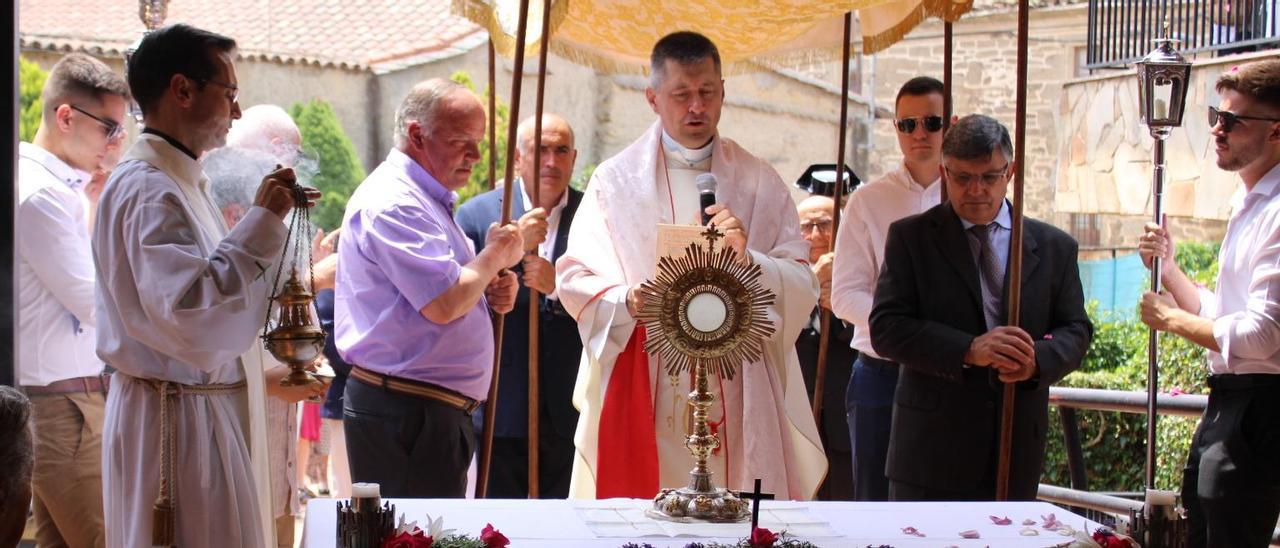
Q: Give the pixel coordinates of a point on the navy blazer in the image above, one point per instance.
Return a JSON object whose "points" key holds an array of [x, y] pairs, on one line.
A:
{"points": [[927, 311], [560, 347]]}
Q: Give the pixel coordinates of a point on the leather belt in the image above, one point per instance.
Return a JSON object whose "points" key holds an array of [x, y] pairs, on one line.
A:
{"points": [[86, 385], [417, 389], [877, 363]]}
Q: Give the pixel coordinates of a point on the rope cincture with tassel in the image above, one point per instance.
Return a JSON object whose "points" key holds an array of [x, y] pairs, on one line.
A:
{"points": [[164, 512]]}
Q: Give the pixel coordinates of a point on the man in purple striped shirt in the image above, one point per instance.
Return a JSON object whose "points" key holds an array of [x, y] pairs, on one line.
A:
{"points": [[413, 301]]}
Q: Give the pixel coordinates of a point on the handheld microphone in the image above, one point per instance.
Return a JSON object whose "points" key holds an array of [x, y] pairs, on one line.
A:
{"points": [[706, 183]]}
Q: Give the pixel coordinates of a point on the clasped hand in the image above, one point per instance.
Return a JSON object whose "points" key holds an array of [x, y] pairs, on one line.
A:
{"points": [[1008, 349]]}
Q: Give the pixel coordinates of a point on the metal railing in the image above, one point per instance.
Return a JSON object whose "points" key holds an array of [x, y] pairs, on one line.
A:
{"points": [[1078, 496], [1068, 400], [1121, 31]]}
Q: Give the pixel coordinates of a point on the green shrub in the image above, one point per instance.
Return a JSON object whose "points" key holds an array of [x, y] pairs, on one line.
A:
{"points": [[1114, 444], [338, 170], [30, 83]]}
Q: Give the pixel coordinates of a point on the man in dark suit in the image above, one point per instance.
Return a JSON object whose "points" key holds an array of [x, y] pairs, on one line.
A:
{"points": [[560, 348], [940, 312]]}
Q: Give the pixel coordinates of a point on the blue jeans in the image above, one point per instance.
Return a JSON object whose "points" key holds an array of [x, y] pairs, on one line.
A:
{"points": [[869, 404]]}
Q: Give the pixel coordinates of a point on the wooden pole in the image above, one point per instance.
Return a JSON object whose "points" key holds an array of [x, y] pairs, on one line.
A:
{"points": [[535, 312], [948, 56], [491, 404], [493, 120], [824, 314], [1015, 249]]}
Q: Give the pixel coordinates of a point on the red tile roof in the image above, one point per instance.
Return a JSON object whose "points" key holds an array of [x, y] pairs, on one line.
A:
{"points": [[356, 34]]}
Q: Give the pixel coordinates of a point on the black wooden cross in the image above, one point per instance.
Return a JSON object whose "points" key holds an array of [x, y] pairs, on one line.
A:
{"points": [[756, 496]]}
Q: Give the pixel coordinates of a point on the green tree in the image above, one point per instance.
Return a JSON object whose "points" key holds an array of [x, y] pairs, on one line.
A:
{"points": [[479, 182], [31, 82], [330, 156]]}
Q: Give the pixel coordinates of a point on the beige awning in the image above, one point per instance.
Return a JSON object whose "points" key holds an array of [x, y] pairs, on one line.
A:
{"points": [[617, 35]]}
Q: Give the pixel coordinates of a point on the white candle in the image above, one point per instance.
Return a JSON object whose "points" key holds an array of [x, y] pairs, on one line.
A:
{"points": [[1162, 109], [365, 491], [1161, 497]]}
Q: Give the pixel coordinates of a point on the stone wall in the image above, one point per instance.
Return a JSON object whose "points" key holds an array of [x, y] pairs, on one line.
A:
{"points": [[1105, 165], [985, 76]]}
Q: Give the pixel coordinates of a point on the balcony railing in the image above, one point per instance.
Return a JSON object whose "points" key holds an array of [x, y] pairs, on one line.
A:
{"points": [[1121, 31]]}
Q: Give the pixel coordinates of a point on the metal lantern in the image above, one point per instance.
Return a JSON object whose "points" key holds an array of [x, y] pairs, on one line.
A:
{"points": [[1162, 87], [152, 13], [1162, 91]]}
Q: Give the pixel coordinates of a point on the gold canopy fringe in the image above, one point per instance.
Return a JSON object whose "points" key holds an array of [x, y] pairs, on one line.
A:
{"points": [[947, 10], [485, 14]]}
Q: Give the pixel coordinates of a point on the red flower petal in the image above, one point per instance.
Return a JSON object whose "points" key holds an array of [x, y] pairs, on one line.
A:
{"points": [[970, 534], [492, 538], [912, 531], [1001, 521]]}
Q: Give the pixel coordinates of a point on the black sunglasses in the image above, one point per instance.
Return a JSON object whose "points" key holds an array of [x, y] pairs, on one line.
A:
{"points": [[932, 124], [114, 129], [1230, 119]]}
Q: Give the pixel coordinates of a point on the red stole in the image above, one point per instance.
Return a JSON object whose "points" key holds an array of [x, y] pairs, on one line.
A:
{"points": [[627, 454]]}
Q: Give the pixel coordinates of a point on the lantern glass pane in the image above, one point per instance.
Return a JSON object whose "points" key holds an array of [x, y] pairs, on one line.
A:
{"points": [[1162, 93]]}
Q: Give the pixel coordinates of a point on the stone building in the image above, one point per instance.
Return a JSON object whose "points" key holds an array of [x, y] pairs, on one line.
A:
{"points": [[362, 58]]}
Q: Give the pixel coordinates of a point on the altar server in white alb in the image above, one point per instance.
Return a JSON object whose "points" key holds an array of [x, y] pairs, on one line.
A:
{"points": [[179, 300], [630, 438]]}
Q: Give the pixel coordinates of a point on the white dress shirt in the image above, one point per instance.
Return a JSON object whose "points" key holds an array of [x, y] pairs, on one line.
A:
{"points": [[864, 225], [1246, 307], [55, 271]]}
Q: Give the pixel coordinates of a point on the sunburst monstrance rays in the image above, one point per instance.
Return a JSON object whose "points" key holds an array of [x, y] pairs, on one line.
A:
{"points": [[704, 271]]}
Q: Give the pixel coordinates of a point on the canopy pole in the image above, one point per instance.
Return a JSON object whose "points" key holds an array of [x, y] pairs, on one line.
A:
{"points": [[491, 404], [824, 314], [948, 56], [1015, 249], [535, 316], [493, 120]]}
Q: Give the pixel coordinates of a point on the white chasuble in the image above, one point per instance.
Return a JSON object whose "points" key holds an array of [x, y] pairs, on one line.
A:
{"points": [[765, 425]]}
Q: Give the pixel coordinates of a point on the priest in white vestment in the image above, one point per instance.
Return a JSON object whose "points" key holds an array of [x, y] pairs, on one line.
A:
{"points": [[635, 417], [180, 299]]}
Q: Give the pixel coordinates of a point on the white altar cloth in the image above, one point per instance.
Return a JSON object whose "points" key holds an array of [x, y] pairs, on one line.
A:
{"points": [[573, 523]]}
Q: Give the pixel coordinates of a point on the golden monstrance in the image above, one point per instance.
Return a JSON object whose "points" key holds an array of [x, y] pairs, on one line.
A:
{"points": [[704, 311]]}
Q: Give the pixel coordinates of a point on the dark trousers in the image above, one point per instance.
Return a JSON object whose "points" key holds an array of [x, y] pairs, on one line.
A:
{"points": [[412, 447], [1231, 485], [869, 403], [509, 473]]}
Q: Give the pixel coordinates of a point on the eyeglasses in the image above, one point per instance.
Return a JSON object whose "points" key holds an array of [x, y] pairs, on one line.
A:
{"points": [[932, 124], [988, 179], [823, 226], [1230, 119], [114, 130], [233, 91]]}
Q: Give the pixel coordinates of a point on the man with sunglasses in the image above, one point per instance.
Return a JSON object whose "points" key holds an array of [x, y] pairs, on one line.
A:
{"points": [[910, 189], [80, 128], [180, 302], [939, 312], [1231, 485]]}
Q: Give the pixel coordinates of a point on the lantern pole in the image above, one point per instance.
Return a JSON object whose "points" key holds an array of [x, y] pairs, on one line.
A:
{"points": [[1162, 88]]}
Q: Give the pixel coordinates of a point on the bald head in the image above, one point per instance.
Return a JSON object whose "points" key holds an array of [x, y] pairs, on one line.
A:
{"points": [[555, 166], [817, 214], [269, 129]]}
